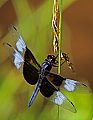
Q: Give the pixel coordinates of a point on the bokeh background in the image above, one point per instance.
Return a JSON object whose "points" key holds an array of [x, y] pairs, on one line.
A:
{"points": [[33, 20]]}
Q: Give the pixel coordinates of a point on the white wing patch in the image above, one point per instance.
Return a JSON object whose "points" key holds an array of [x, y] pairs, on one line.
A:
{"points": [[58, 98], [20, 44], [70, 85], [18, 59]]}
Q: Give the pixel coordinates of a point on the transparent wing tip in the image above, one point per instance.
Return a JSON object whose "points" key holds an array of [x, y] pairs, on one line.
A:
{"points": [[60, 99], [72, 85], [7, 44], [74, 108]]}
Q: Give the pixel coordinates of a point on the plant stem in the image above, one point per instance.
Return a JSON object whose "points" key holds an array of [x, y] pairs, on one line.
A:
{"points": [[59, 44], [60, 37]]}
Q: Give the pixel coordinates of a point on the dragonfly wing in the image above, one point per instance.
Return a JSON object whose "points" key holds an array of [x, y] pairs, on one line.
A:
{"points": [[23, 49], [55, 96], [60, 99], [30, 65], [30, 73], [21, 54], [67, 84]]}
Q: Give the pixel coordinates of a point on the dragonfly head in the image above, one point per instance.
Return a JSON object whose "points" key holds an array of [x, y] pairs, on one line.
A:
{"points": [[51, 59]]}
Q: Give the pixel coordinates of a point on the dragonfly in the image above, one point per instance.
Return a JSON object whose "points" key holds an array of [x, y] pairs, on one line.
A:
{"points": [[47, 82]]}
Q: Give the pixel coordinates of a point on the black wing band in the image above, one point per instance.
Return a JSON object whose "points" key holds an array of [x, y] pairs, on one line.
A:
{"points": [[30, 73], [30, 58], [55, 78], [46, 88]]}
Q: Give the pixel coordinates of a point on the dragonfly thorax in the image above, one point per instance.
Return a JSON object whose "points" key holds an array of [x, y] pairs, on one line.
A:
{"points": [[46, 66]]}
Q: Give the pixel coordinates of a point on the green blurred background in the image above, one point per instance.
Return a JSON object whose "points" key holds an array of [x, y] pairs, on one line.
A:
{"points": [[33, 20]]}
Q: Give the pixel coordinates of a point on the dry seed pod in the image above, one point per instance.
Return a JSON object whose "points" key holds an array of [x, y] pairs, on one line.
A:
{"points": [[55, 25]]}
